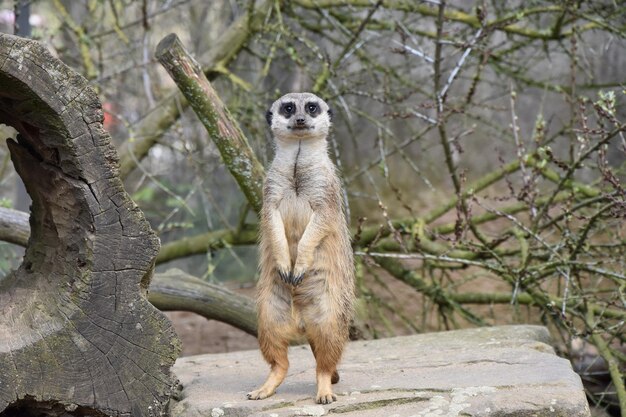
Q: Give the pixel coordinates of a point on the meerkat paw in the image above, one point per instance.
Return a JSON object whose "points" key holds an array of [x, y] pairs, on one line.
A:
{"points": [[260, 394], [283, 269], [285, 275], [298, 272], [296, 278], [325, 397]]}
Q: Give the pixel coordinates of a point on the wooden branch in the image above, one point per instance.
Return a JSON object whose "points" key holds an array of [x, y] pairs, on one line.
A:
{"points": [[14, 227], [437, 294], [617, 377], [369, 234], [221, 126], [457, 300], [204, 242], [176, 290], [83, 39], [454, 15], [76, 331], [147, 132], [510, 209]]}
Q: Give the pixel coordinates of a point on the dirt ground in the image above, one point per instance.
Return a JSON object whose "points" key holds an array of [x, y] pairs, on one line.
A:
{"points": [[200, 335]]}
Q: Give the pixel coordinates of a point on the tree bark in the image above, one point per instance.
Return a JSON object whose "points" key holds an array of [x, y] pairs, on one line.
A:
{"points": [[175, 290], [77, 334], [221, 126], [202, 243]]}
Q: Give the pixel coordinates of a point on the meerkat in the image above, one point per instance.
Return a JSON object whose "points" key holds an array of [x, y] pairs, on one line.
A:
{"points": [[306, 283]]}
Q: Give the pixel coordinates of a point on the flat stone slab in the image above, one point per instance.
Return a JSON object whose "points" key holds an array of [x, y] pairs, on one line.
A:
{"points": [[493, 371]]}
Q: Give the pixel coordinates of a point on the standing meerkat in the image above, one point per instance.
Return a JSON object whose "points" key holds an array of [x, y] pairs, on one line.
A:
{"points": [[306, 283]]}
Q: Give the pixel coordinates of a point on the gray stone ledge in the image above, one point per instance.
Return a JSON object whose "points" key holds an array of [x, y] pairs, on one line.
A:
{"points": [[495, 371]]}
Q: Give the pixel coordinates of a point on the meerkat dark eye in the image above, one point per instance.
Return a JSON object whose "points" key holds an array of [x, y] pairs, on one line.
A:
{"points": [[287, 109], [312, 108]]}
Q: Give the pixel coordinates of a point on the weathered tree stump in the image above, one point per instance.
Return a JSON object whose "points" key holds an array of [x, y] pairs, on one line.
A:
{"points": [[77, 335]]}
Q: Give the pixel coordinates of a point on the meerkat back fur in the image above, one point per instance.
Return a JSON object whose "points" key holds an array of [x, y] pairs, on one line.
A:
{"points": [[306, 283]]}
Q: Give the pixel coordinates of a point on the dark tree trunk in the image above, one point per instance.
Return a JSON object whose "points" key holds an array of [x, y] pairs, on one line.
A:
{"points": [[77, 335]]}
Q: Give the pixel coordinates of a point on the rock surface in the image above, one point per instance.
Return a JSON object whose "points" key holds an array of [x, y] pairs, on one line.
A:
{"points": [[496, 371]]}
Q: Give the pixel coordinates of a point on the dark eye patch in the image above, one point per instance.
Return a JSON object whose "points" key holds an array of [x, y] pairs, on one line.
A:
{"points": [[312, 108], [287, 109]]}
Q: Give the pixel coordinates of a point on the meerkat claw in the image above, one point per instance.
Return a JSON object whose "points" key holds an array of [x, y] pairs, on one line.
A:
{"points": [[297, 274], [326, 398], [259, 394], [285, 276], [297, 279]]}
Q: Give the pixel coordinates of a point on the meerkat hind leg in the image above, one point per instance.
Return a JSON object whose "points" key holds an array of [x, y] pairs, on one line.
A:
{"points": [[335, 376], [275, 330], [274, 349], [327, 347]]}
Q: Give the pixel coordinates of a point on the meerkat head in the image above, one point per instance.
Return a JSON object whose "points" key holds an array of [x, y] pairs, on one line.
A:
{"points": [[299, 116]]}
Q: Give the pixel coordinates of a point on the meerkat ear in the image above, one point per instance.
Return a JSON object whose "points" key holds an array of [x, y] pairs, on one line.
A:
{"points": [[330, 114], [268, 117]]}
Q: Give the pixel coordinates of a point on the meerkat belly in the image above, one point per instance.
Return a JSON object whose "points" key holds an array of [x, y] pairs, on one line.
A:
{"points": [[296, 213]]}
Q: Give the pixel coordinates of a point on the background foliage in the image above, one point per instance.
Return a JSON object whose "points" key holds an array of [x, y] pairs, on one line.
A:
{"points": [[481, 146]]}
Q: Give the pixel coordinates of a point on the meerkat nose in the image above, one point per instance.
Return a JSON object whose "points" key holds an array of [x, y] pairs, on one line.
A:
{"points": [[300, 121]]}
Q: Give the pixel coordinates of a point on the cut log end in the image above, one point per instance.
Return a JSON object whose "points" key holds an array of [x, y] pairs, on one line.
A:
{"points": [[166, 45]]}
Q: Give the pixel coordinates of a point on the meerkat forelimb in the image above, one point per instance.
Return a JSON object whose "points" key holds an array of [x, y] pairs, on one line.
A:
{"points": [[306, 282]]}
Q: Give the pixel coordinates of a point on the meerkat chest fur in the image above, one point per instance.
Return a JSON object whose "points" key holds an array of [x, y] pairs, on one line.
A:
{"points": [[301, 180], [303, 173]]}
